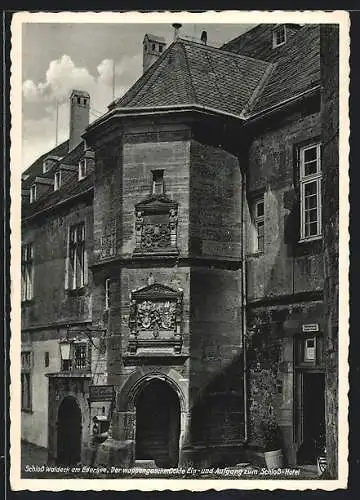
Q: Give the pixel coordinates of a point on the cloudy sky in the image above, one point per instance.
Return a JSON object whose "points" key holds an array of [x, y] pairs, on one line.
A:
{"points": [[57, 57]]}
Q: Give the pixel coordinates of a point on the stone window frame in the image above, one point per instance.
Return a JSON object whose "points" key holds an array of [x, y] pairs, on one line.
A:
{"points": [[33, 193], [279, 36], [57, 180], [26, 380], [82, 169], [27, 272], [107, 293], [76, 265], [305, 179], [157, 181], [259, 224]]}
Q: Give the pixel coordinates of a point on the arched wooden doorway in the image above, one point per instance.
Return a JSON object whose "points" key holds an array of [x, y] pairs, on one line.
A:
{"points": [[157, 424], [69, 432]]}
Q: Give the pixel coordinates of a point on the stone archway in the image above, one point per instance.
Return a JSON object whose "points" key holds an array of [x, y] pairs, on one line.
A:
{"points": [[69, 431], [157, 423]]}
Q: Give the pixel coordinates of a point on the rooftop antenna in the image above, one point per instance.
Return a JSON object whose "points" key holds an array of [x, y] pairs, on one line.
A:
{"points": [[57, 123], [113, 80]]}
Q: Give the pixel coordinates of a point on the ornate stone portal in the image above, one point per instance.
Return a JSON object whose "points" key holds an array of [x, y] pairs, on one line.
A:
{"points": [[156, 226], [155, 320]]}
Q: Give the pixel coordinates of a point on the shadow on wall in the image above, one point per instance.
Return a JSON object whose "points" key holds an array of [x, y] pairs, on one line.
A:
{"points": [[217, 422]]}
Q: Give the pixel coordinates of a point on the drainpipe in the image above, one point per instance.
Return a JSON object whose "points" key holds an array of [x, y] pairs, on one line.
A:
{"points": [[244, 303]]}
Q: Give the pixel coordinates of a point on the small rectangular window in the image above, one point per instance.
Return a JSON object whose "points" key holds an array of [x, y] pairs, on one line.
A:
{"points": [[310, 349], [46, 166], [158, 182], [107, 294], [82, 169], [26, 380], [279, 36], [310, 192], [76, 255], [57, 181], [46, 359], [27, 272], [33, 193], [80, 356], [259, 225]]}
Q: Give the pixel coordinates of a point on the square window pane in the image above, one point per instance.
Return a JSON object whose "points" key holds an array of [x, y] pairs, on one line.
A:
{"points": [[310, 188], [310, 154], [310, 168], [260, 209], [310, 202]]}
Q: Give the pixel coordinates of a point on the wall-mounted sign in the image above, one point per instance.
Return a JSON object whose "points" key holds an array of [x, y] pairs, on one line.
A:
{"points": [[310, 328], [101, 393]]}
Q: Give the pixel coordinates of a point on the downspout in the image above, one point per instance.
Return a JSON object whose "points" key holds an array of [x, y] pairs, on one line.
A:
{"points": [[244, 303]]}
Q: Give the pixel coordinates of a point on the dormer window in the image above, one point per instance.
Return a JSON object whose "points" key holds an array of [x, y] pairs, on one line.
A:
{"points": [[82, 169], [33, 193], [46, 166], [158, 182], [279, 36], [57, 181]]}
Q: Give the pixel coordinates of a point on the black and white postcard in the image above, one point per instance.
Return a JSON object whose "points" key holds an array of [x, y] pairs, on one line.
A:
{"points": [[179, 272]]}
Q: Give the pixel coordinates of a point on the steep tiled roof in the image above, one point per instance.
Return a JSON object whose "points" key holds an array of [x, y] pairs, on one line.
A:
{"points": [[36, 168], [258, 42], [192, 73], [68, 189], [295, 72]]}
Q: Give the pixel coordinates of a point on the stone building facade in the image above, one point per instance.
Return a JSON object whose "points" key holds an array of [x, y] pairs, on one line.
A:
{"points": [[187, 260]]}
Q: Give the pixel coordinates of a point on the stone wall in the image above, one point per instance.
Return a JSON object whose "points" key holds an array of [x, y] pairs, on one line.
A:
{"points": [[51, 302], [329, 36], [286, 267]]}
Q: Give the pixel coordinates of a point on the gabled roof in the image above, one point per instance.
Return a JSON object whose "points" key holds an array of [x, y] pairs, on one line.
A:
{"points": [[190, 73], [297, 71]]}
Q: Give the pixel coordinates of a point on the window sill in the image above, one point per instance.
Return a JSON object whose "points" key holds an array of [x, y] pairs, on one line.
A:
{"points": [[27, 410], [76, 292], [27, 302], [256, 254], [310, 239]]}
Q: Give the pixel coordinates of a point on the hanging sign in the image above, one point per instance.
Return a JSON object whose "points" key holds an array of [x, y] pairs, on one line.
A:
{"points": [[101, 393], [310, 327]]}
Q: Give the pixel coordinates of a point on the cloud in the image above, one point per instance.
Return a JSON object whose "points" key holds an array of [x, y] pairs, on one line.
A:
{"points": [[62, 76]]}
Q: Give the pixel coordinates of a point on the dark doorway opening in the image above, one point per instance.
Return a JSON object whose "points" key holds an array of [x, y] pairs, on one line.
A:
{"points": [[69, 433], [313, 400], [158, 424]]}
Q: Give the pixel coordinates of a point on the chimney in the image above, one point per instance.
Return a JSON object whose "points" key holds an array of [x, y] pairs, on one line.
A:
{"points": [[153, 47], [79, 116], [204, 37], [176, 27]]}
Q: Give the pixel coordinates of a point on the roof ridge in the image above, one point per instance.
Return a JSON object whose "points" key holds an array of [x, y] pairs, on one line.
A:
{"points": [[258, 89], [143, 79], [189, 71]]}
